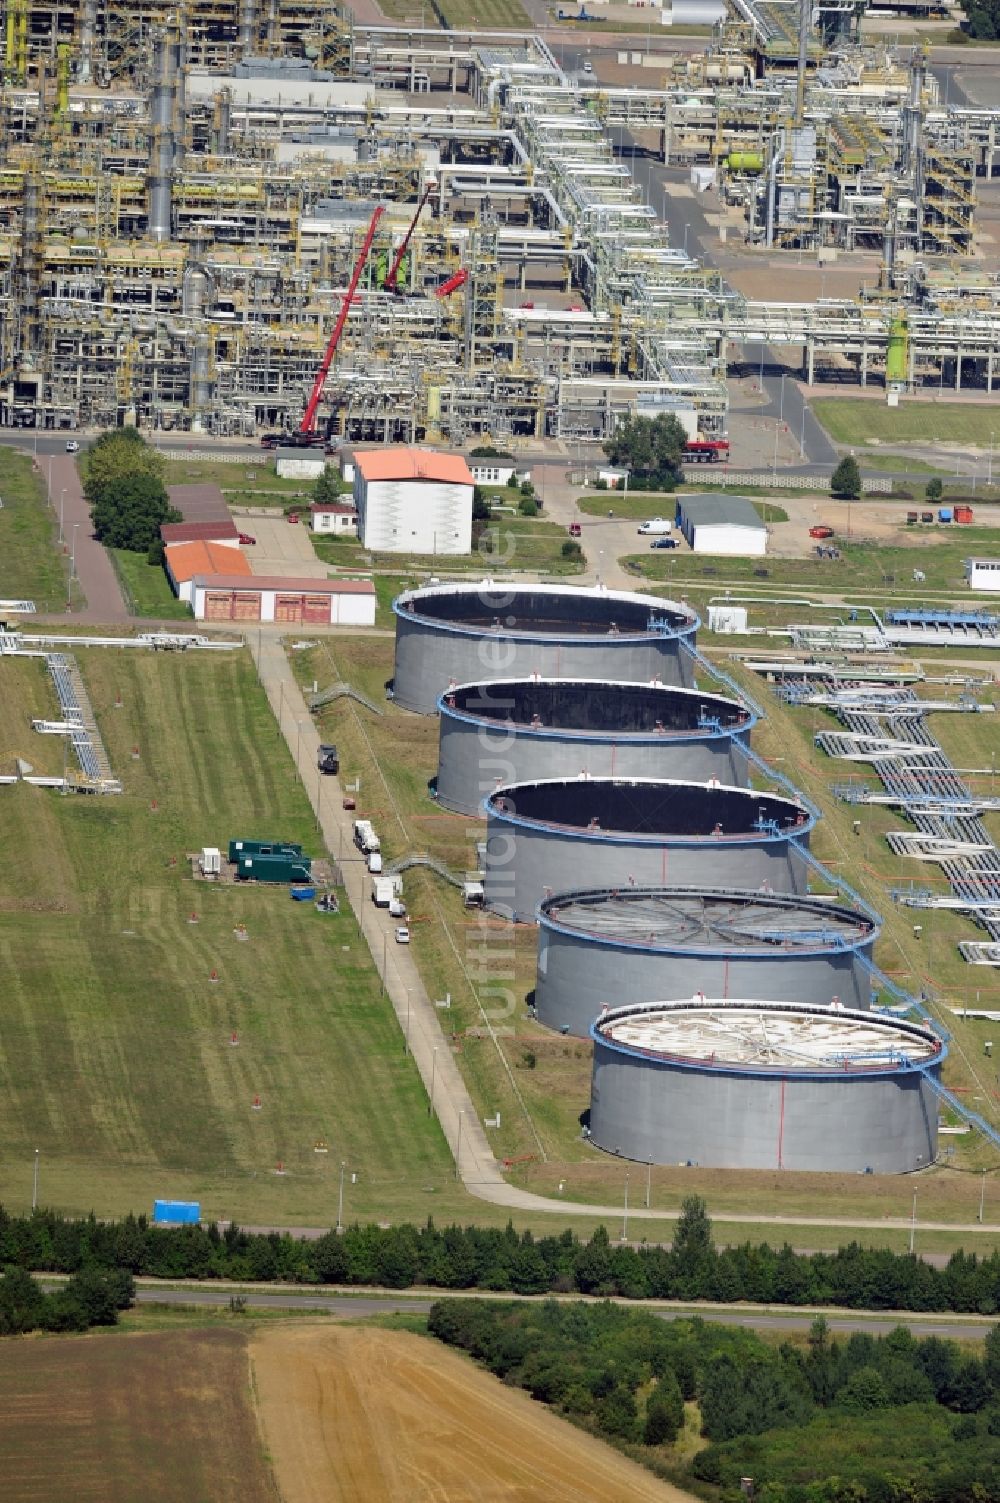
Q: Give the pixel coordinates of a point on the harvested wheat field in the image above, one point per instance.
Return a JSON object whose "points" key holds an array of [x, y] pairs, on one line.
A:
{"points": [[162, 1417], [363, 1416]]}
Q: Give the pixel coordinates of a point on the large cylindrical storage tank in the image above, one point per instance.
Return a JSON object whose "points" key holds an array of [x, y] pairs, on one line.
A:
{"points": [[744, 1085], [473, 633], [519, 730], [657, 944], [548, 836]]}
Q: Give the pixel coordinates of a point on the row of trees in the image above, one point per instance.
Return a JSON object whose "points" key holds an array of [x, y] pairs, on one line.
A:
{"points": [[472, 1257], [881, 1419], [92, 1297], [123, 482]]}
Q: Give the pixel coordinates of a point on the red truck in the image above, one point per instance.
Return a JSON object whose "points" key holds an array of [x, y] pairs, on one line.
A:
{"points": [[705, 451]]}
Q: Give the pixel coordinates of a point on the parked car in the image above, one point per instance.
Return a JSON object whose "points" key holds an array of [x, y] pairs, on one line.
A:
{"points": [[247, 540], [575, 530], [293, 516], [588, 66], [72, 447], [821, 532], [402, 935], [664, 543]]}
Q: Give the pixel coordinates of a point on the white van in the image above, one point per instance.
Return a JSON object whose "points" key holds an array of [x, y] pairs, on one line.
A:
{"points": [[655, 526], [374, 862]]}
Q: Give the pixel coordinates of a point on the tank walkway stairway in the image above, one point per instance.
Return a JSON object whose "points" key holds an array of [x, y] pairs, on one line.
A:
{"points": [[342, 691], [85, 738]]}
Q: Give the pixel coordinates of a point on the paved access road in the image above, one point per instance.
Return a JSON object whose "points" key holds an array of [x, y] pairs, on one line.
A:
{"points": [[357, 1307]]}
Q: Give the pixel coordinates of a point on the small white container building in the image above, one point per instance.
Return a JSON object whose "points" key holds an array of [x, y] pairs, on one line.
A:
{"points": [[299, 464], [334, 516], [726, 525], [413, 501], [983, 574]]}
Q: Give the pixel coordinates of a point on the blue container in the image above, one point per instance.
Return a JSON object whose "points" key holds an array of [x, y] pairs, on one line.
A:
{"points": [[303, 894], [945, 514], [176, 1212]]}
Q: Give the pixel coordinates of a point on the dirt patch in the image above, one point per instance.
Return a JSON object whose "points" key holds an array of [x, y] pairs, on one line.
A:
{"points": [[159, 1418], [364, 1416]]}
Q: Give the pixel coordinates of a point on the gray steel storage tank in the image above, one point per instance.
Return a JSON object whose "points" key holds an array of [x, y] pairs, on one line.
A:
{"points": [[518, 730], [655, 944], [472, 633], [548, 836], [745, 1085]]}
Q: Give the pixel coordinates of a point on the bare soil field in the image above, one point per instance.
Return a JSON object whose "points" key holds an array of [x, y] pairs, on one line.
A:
{"points": [[160, 1418], [362, 1416]]}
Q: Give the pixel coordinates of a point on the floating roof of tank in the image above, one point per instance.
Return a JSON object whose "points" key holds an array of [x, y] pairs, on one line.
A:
{"points": [[773, 1038], [651, 808], [513, 609], [597, 706], [708, 921]]}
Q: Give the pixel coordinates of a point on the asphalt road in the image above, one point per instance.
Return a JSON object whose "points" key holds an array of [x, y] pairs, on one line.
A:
{"points": [[356, 1307]]}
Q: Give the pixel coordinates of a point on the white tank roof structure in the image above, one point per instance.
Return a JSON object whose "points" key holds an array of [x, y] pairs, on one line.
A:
{"points": [[519, 730], [748, 1085], [542, 836], [655, 944], [473, 633]]}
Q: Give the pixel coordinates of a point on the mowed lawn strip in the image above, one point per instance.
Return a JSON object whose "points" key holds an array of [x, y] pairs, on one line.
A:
{"points": [[116, 1058], [854, 420], [159, 1418], [30, 565]]}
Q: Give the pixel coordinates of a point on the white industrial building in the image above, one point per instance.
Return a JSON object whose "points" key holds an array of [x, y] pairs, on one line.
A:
{"points": [[494, 469], [983, 574], [313, 602], [413, 501], [722, 524]]}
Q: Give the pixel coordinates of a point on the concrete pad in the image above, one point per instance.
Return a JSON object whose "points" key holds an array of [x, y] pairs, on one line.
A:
{"points": [[282, 547]]}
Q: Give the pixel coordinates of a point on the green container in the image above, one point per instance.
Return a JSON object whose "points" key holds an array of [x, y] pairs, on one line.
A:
{"points": [[897, 354], [745, 161], [274, 868], [238, 848]]}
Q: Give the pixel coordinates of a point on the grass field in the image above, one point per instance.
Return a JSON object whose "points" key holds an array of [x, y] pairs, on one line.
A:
{"points": [[161, 1418], [146, 587], [938, 552], [31, 568], [895, 464], [115, 1052], [248, 484], [485, 15], [374, 1416], [27, 693], [855, 420]]}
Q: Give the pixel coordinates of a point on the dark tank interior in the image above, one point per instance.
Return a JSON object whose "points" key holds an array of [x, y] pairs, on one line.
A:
{"points": [[536, 612], [647, 808], [624, 709]]}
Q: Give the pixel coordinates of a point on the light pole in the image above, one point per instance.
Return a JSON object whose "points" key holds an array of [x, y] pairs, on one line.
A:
{"points": [[982, 1197], [989, 472], [62, 508], [434, 1065], [34, 1186], [802, 433], [774, 465], [458, 1151], [781, 403], [913, 1221], [625, 1211], [298, 742], [72, 570], [385, 961], [762, 369], [686, 228], [649, 1181], [340, 1199], [406, 1031]]}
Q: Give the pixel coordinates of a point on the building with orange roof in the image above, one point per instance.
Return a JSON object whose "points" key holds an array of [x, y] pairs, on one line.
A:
{"points": [[184, 560], [415, 501]]}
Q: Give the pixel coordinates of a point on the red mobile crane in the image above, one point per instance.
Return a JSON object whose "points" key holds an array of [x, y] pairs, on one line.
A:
{"points": [[390, 281], [453, 284], [306, 435]]}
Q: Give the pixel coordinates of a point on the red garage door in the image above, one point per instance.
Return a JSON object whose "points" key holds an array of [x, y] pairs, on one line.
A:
{"points": [[316, 608], [246, 607], [288, 608], [218, 605]]}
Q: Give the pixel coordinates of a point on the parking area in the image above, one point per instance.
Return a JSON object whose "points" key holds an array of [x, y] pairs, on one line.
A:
{"points": [[282, 547]]}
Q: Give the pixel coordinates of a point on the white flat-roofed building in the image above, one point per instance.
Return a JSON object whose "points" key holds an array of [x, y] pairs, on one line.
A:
{"points": [[413, 501]]}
